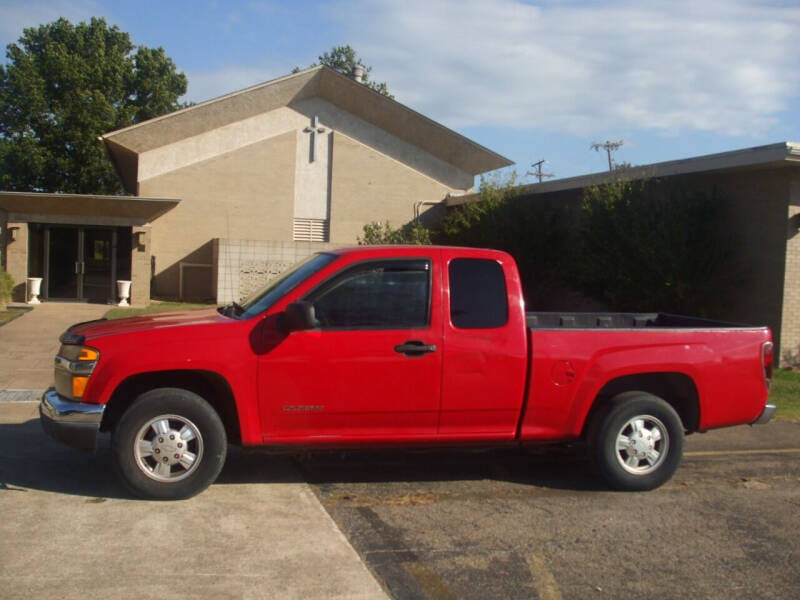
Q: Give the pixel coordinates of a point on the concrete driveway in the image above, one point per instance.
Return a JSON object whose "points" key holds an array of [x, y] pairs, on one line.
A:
{"points": [[68, 529]]}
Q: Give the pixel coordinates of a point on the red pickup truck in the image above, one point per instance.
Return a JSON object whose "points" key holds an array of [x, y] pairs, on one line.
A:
{"points": [[399, 345]]}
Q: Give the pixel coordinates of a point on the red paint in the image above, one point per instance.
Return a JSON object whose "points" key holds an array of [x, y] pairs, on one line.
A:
{"points": [[332, 387]]}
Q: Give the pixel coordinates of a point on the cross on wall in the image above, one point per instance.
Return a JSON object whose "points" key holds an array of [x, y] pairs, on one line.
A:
{"points": [[314, 129]]}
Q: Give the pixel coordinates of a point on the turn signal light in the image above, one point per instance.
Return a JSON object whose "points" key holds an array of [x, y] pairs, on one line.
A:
{"points": [[79, 386], [88, 354]]}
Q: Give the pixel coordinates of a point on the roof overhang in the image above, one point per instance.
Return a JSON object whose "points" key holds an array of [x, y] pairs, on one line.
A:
{"points": [[83, 209], [772, 156], [402, 122]]}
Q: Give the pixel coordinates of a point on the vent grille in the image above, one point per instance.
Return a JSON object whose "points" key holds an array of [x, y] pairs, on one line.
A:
{"points": [[311, 230]]}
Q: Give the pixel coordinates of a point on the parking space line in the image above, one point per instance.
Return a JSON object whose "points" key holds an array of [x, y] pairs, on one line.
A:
{"points": [[543, 580], [742, 452]]}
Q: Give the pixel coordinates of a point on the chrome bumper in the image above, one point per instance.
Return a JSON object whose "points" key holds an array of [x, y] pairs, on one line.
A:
{"points": [[766, 415], [73, 423]]}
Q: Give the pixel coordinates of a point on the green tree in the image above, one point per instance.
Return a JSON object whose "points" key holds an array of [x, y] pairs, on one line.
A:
{"points": [[62, 87], [344, 60]]}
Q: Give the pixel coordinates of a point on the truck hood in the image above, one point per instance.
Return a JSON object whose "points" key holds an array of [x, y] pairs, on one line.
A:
{"points": [[105, 327]]}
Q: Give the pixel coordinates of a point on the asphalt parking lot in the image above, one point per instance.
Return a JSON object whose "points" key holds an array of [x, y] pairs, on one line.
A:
{"points": [[442, 524], [539, 525]]}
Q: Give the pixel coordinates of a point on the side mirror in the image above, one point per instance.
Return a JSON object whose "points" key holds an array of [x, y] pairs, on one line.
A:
{"points": [[299, 316]]}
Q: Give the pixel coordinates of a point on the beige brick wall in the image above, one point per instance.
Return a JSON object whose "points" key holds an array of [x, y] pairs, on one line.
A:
{"points": [[369, 186], [245, 194], [791, 291], [140, 266]]}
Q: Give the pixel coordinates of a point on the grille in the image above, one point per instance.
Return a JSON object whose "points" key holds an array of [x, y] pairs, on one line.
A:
{"points": [[311, 230]]}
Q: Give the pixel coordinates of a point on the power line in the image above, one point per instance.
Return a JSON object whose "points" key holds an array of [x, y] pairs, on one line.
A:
{"points": [[609, 147], [538, 173]]}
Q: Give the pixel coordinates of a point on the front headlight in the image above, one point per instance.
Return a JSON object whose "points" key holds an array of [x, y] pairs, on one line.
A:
{"points": [[74, 366]]}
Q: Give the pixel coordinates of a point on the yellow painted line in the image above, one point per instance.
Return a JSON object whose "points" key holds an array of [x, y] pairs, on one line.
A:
{"points": [[743, 452], [430, 581], [543, 580]]}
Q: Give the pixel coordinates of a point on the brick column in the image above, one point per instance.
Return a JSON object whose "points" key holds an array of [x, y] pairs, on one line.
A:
{"points": [[140, 266], [15, 256], [790, 322]]}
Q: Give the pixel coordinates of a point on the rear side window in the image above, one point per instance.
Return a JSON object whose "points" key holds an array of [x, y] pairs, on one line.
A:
{"points": [[478, 298], [392, 294]]}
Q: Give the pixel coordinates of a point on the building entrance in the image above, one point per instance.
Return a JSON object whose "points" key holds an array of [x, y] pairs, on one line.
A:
{"points": [[82, 263]]}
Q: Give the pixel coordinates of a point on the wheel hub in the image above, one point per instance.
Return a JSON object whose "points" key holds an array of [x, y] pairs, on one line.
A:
{"points": [[168, 448], [642, 444]]}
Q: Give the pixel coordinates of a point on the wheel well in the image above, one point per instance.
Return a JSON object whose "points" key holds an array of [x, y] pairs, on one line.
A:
{"points": [[676, 389], [212, 387]]}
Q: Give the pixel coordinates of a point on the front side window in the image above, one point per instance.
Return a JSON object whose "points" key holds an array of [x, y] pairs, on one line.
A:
{"points": [[389, 294], [478, 297], [277, 289]]}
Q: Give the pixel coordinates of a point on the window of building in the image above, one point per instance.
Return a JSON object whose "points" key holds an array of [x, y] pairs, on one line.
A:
{"points": [[391, 294], [478, 298]]}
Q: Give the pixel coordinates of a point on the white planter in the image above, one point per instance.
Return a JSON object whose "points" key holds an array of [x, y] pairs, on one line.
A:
{"points": [[123, 291], [34, 289]]}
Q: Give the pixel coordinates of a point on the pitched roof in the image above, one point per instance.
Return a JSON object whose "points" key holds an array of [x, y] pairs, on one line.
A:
{"points": [[323, 82]]}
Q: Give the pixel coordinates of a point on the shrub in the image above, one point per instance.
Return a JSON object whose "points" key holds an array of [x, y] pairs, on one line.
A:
{"points": [[381, 233], [647, 245], [6, 289]]}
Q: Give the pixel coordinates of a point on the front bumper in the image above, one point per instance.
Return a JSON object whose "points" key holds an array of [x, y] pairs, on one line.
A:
{"points": [[766, 415], [75, 424]]}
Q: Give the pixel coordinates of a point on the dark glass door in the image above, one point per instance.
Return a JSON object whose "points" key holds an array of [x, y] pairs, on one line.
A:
{"points": [[96, 264], [63, 263], [80, 263]]}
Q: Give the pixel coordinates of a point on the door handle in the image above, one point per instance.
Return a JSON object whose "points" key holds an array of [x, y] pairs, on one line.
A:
{"points": [[414, 348]]}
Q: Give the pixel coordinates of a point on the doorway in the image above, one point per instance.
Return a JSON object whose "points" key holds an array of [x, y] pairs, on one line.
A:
{"points": [[80, 263]]}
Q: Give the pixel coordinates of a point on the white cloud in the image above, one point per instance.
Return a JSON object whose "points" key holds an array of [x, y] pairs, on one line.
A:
{"points": [[16, 15], [722, 66]]}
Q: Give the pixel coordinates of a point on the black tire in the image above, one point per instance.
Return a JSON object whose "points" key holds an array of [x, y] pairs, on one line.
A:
{"points": [[180, 461], [636, 442]]}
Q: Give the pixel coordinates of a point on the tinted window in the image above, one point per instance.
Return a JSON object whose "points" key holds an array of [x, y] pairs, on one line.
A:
{"points": [[376, 295], [478, 298]]}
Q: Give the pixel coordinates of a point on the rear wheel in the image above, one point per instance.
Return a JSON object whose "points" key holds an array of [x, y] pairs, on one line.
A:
{"points": [[169, 445], [636, 443]]}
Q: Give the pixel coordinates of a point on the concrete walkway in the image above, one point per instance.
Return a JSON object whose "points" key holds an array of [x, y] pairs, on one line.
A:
{"points": [[29, 343], [69, 530]]}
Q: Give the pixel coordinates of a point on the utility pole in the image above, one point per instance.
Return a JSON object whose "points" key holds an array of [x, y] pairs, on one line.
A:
{"points": [[538, 173], [609, 147]]}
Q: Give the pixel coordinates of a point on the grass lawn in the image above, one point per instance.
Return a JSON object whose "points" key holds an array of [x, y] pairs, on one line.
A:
{"points": [[11, 314], [154, 307], [785, 393]]}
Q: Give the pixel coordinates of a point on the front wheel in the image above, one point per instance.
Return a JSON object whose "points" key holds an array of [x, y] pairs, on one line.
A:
{"points": [[169, 445], [636, 443]]}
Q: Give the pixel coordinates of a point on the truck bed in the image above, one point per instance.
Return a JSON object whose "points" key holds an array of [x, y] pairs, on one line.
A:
{"points": [[611, 320]]}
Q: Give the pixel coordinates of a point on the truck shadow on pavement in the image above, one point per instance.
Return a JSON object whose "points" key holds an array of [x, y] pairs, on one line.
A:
{"points": [[29, 459]]}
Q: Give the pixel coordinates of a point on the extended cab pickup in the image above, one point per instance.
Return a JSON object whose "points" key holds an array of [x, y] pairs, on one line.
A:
{"points": [[399, 345]]}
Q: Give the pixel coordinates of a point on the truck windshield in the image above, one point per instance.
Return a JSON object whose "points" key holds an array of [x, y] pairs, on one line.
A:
{"points": [[277, 288]]}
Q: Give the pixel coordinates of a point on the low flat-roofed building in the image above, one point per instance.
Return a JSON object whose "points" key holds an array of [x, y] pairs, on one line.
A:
{"points": [[761, 187]]}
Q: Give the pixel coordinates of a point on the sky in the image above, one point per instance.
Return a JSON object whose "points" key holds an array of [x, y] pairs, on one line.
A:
{"points": [[530, 80]]}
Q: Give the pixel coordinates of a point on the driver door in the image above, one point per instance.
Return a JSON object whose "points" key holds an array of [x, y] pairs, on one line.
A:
{"points": [[372, 368]]}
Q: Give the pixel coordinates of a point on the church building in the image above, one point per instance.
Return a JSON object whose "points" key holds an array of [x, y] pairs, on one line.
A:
{"points": [[229, 192]]}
